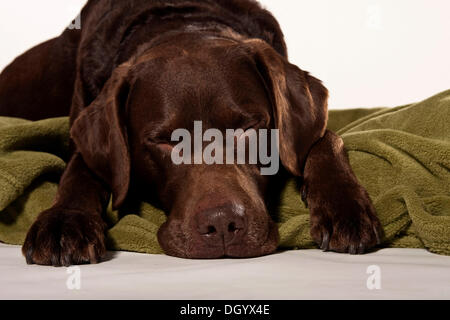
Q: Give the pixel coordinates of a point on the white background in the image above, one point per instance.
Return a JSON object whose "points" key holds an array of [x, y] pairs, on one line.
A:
{"points": [[368, 52]]}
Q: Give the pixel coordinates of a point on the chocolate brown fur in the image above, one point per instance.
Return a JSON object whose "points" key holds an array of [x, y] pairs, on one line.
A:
{"points": [[139, 69]]}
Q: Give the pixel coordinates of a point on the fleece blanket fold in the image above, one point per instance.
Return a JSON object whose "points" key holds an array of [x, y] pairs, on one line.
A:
{"points": [[401, 155]]}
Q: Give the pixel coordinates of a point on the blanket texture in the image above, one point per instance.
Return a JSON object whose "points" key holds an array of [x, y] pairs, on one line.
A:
{"points": [[401, 155]]}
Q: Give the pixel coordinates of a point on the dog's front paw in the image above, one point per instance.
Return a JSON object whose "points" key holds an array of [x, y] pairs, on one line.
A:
{"points": [[62, 237], [344, 219]]}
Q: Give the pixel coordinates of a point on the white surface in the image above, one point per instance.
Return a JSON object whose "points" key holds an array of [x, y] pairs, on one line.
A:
{"points": [[304, 274], [368, 52]]}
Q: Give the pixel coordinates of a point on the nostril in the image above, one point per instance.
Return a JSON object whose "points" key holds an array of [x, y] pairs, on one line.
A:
{"points": [[220, 225], [211, 230], [232, 227]]}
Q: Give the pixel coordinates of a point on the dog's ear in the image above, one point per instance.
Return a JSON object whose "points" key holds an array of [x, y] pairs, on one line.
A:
{"points": [[99, 133], [299, 104]]}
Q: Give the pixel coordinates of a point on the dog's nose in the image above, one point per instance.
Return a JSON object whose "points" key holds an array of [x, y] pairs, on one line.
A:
{"points": [[222, 225]]}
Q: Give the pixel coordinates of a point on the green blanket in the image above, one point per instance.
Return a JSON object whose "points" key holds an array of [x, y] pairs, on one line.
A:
{"points": [[401, 155]]}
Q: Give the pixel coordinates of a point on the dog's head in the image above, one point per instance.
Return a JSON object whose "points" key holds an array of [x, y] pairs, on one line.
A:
{"points": [[216, 209]]}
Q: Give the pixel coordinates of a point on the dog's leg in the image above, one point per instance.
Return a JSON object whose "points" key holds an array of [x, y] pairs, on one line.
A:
{"points": [[343, 218], [72, 231]]}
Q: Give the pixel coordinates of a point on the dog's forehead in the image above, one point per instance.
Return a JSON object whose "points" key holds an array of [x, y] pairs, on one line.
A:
{"points": [[220, 86], [216, 59]]}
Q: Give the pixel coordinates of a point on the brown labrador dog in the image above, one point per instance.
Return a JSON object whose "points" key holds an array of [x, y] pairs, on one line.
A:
{"points": [[139, 69]]}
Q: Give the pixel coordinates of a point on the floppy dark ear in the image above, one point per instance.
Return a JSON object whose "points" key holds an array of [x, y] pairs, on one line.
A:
{"points": [[299, 101], [99, 133]]}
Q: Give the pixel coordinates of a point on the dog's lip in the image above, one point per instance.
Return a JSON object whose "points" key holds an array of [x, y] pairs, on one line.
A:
{"points": [[218, 252], [261, 251], [258, 250], [214, 252]]}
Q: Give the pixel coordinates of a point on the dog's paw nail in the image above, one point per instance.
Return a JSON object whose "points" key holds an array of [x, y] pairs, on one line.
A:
{"points": [[66, 260], [28, 257], [352, 249], [325, 241], [305, 201], [377, 235], [92, 255], [361, 248]]}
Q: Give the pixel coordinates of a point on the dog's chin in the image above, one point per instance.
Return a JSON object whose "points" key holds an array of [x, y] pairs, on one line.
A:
{"points": [[176, 243]]}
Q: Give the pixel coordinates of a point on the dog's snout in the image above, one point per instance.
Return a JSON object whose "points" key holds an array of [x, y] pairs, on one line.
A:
{"points": [[221, 225], [215, 229]]}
